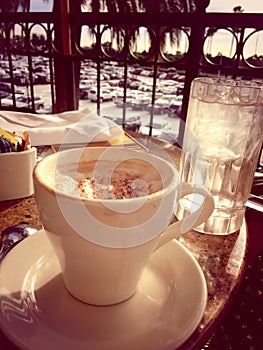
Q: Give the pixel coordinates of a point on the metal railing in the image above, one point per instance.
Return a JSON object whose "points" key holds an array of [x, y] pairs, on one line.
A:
{"points": [[67, 38]]}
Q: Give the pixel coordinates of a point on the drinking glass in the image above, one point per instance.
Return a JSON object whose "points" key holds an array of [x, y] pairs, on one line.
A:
{"points": [[221, 147]]}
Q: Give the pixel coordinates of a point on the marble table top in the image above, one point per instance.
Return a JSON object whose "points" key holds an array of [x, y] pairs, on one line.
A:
{"points": [[220, 257]]}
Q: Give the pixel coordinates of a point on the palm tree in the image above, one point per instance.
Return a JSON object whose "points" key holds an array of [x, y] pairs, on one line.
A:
{"points": [[96, 6], [149, 6], [127, 6], [209, 34], [14, 5]]}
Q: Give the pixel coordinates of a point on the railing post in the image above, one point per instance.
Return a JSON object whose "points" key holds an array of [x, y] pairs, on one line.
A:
{"points": [[238, 53], [66, 69]]}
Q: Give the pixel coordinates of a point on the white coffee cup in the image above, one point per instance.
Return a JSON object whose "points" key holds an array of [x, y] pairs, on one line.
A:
{"points": [[16, 169], [103, 245]]}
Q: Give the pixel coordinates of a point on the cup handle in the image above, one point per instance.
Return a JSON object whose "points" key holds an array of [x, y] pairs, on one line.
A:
{"points": [[192, 220]]}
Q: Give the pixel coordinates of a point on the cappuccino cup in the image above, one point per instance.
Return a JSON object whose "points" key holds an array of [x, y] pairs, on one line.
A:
{"points": [[105, 212]]}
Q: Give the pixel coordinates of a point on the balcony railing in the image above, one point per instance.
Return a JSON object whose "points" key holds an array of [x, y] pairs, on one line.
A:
{"points": [[67, 39]]}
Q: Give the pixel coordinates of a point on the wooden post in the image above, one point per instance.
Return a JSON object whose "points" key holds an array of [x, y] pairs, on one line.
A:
{"points": [[65, 67]]}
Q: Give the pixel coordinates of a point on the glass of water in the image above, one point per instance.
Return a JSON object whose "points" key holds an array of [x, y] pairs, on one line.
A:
{"points": [[222, 142]]}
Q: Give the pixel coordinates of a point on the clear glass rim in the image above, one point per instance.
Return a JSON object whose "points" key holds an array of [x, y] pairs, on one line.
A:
{"points": [[228, 82]]}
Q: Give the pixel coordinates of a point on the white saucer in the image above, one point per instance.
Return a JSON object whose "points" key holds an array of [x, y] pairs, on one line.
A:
{"points": [[36, 311]]}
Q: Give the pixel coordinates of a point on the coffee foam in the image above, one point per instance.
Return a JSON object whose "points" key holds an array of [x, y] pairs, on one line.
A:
{"points": [[120, 223], [107, 179]]}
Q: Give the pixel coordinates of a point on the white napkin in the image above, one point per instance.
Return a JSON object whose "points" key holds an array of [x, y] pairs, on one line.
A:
{"points": [[82, 126]]}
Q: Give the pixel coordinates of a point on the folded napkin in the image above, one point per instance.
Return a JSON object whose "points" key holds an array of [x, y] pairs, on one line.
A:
{"points": [[82, 126]]}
